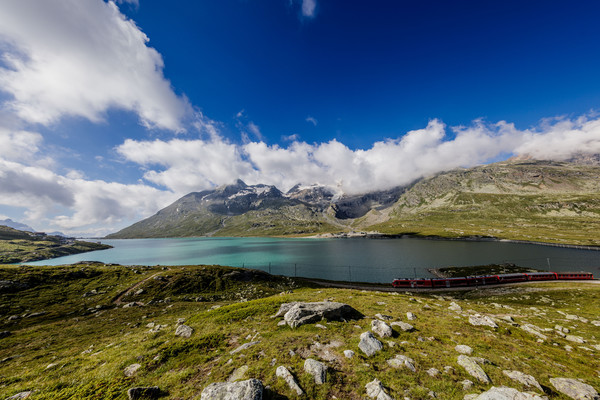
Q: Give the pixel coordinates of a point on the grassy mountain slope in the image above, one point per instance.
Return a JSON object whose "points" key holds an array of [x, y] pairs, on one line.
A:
{"points": [[20, 246], [71, 337], [535, 201]]}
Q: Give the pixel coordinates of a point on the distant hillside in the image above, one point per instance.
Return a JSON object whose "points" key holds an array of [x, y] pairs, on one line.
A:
{"points": [[16, 225], [530, 200], [556, 202], [20, 246]]}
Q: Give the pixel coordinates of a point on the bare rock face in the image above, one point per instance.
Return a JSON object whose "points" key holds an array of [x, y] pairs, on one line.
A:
{"points": [[297, 313], [369, 344], [575, 389], [473, 368], [283, 373], [375, 390], [506, 393], [381, 328], [524, 379], [251, 389], [317, 369]]}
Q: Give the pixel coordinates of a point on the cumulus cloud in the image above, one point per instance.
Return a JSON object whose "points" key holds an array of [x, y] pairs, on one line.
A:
{"points": [[81, 58], [196, 164], [68, 202]]}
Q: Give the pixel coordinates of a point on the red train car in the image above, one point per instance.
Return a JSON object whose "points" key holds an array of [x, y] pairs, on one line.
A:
{"points": [[575, 275]]}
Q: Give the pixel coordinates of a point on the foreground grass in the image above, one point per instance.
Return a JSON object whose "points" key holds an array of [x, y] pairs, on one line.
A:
{"points": [[80, 347]]}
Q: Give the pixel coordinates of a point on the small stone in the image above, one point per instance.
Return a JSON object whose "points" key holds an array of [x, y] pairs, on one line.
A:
{"points": [[238, 374], [402, 361], [384, 317], [464, 349], [467, 384], [184, 331], [454, 307], [348, 353], [375, 390], [411, 316], [575, 339], [320, 326], [526, 380], [131, 370], [20, 396], [574, 389], [405, 326], [369, 344], [282, 372], [482, 320], [433, 372], [381, 328], [251, 389], [244, 347], [317, 369], [139, 393], [449, 370], [473, 368]]}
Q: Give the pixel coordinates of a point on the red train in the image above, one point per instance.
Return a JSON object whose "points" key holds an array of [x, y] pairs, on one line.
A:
{"points": [[489, 279]]}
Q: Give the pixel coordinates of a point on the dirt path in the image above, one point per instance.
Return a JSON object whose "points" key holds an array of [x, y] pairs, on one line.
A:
{"points": [[119, 299]]}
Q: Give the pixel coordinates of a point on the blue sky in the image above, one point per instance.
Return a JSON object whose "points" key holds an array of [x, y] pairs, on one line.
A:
{"points": [[110, 111]]}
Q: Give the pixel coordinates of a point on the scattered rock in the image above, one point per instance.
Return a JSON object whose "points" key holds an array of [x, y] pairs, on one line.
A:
{"points": [[473, 368], [402, 361], [317, 369], [381, 328], [21, 395], [297, 313], [449, 370], [534, 330], [411, 316], [251, 389], [244, 347], [506, 393], [433, 372], [320, 326], [574, 389], [282, 372], [454, 307], [184, 331], [348, 353], [369, 344], [384, 317], [467, 384], [464, 349], [132, 369], [482, 320], [375, 390], [575, 339], [238, 374], [405, 326], [145, 393], [526, 380]]}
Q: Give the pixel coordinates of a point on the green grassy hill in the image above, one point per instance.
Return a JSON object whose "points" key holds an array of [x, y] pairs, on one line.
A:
{"points": [[534, 201], [20, 246], [74, 330]]}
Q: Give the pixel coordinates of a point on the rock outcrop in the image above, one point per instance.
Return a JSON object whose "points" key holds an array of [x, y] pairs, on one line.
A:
{"points": [[473, 368], [298, 313], [575, 389], [526, 380], [317, 369], [506, 393], [369, 344]]}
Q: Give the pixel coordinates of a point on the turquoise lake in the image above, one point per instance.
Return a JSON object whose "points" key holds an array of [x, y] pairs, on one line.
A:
{"points": [[358, 259]]}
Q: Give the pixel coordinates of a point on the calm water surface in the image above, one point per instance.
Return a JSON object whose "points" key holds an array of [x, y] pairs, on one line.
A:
{"points": [[359, 259]]}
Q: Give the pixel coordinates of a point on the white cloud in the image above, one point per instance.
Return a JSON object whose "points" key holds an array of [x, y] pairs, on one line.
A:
{"points": [[309, 7], [312, 120], [82, 58], [192, 165], [255, 130]]}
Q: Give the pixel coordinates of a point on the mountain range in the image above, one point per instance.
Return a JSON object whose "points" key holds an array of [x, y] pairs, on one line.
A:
{"points": [[520, 199]]}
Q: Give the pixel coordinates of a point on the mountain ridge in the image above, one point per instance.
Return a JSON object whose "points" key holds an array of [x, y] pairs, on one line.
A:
{"points": [[508, 200]]}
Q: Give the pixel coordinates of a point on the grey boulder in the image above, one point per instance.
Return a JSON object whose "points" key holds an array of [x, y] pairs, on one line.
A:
{"points": [[575, 389], [251, 389], [506, 393], [369, 344], [298, 313], [317, 369], [184, 331], [472, 368], [381, 328]]}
